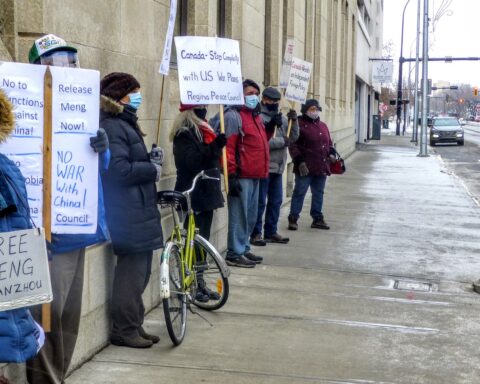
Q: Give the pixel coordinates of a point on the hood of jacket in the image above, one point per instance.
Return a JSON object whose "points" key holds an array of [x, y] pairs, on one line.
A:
{"points": [[110, 106], [7, 120]]}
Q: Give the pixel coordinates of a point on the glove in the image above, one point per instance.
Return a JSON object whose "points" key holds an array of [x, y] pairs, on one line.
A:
{"points": [[292, 115], [302, 169], [220, 141], [156, 155], [234, 186], [275, 121], [287, 141], [99, 143]]}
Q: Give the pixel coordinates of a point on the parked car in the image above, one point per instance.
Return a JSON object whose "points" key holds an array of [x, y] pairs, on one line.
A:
{"points": [[446, 130]]}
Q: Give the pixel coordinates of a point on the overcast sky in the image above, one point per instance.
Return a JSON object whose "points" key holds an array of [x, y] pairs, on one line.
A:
{"points": [[457, 35]]}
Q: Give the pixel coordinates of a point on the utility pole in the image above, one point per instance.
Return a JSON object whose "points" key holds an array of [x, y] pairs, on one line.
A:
{"points": [[417, 56], [423, 133]]}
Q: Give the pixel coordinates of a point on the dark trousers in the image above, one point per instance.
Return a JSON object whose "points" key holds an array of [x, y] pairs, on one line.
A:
{"points": [[51, 364], [203, 221], [270, 196], [132, 274]]}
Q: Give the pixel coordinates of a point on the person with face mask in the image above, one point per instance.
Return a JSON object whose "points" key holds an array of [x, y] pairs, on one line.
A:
{"points": [[197, 148], [270, 193], [311, 159], [248, 160], [131, 207], [67, 250]]}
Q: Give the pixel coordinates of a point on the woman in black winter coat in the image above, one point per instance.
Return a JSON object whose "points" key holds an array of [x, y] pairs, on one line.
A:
{"points": [[131, 208], [197, 148]]}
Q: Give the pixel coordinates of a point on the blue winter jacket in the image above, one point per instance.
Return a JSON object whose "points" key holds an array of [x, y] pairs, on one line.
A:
{"points": [[62, 243], [18, 342]]}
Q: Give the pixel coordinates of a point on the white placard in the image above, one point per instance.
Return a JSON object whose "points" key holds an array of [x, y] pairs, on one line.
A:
{"points": [[287, 62], [24, 273], [23, 84], [382, 71], [167, 49], [75, 118], [209, 70], [298, 80]]}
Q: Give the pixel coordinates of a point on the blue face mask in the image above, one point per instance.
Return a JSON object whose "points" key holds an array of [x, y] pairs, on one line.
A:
{"points": [[251, 101], [135, 99]]}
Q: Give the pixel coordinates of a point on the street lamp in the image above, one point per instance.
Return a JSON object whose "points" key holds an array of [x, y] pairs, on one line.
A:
{"points": [[400, 66]]}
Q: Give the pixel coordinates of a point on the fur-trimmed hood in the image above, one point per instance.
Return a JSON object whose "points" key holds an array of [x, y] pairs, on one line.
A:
{"points": [[7, 120], [109, 105]]}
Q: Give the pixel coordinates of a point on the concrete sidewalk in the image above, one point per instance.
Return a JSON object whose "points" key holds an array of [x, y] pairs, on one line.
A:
{"points": [[383, 297]]}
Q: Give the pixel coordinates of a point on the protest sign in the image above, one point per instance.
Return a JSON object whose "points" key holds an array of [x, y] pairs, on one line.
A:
{"points": [[167, 49], [24, 273], [209, 70], [75, 118], [23, 84], [287, 62], [298, 80]]}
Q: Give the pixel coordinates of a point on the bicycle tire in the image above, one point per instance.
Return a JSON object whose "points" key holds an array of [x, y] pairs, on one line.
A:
{"points": [[175, 306], [215, 274]]}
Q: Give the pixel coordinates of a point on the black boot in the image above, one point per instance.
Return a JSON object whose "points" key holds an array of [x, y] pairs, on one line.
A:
{"points": [[319, 223], [292, 223]]}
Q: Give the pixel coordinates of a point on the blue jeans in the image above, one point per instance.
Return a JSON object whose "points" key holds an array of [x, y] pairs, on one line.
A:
{"points": [[317, 186], [242, 215], [270, 196]]}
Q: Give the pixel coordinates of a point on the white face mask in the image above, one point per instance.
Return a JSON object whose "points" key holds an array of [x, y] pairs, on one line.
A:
{"points": [[313, 115]]}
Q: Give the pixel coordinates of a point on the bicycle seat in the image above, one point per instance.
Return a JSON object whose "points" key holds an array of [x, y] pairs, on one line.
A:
{"points": [[175, 198]]}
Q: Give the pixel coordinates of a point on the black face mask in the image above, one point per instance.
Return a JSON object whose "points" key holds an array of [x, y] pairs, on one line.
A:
{"points": [[272, 107], [200, 113]]}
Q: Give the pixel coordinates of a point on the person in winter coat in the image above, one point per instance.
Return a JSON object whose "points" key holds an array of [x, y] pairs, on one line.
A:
{"points": [[311, 159], [18, 331], [197, 148], [248, 161], [131, 207], [67, 250], [271, 188]]}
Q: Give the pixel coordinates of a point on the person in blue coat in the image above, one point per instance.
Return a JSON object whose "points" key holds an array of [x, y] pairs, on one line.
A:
{"points": [[67, 250], [18, 331]]}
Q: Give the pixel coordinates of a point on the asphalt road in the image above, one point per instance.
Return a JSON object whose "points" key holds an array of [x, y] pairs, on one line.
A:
{"points": [[464, 161]]}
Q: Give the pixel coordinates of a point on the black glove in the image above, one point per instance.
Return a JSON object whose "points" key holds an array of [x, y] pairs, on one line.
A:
{"points": [[99, 143], [303, 169], [220, 141], [275, 121], [332, 151], [287, 141], [234, 186], [292, 115]]}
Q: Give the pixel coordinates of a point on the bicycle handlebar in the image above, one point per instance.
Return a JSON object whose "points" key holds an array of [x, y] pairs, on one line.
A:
{"points": [[201, 175]]}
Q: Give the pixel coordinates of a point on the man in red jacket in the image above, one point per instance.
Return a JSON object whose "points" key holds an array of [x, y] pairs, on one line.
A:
{"points": [[248, 161]]}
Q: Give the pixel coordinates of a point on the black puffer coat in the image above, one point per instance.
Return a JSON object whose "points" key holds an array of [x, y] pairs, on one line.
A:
{"points": [[191, 157], [129, 184]]}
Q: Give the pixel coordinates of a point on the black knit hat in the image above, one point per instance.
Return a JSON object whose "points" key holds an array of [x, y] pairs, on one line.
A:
{"points": [[250, 83], [310, 103], [116, 85]]}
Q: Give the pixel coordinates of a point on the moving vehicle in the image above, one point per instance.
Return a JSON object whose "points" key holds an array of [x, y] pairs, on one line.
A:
{"points": [[446, 130]]}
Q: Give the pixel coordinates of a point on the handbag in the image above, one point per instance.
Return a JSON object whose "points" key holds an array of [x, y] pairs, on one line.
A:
{"points": [[337, 167]]}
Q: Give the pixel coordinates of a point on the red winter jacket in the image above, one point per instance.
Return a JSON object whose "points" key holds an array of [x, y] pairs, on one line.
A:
{"points": [[248, 152], [312, 147]]}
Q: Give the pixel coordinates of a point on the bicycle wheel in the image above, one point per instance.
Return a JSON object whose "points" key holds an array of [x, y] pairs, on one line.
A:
{"points": [[175, 306], [212, 275]]}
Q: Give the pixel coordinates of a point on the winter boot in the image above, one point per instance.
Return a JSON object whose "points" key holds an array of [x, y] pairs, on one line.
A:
{"points": [[319, 223], [292, 223]]}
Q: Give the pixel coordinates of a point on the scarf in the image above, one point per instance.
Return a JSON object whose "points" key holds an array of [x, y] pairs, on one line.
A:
{"points": [[207, 133]]}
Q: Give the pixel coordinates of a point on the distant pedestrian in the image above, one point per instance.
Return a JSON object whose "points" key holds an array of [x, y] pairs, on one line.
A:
{"points": [[270, 193], [131, 207], [311, 155]]}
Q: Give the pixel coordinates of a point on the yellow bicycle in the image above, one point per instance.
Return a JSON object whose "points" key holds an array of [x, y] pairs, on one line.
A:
{"points": [[189, 263]]}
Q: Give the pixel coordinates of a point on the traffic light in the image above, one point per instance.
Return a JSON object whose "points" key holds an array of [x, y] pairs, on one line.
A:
{"points": [[475, 91]]}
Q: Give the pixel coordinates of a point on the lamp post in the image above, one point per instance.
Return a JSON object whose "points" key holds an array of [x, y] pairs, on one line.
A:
{"points": [[400, 66]]}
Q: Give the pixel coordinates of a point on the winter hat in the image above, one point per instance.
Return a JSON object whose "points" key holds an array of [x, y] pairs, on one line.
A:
{"points": [[250, 83], [271, 93], [45, 44], [186, 107], [116, 85], [310, 103], [7, 120]]}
